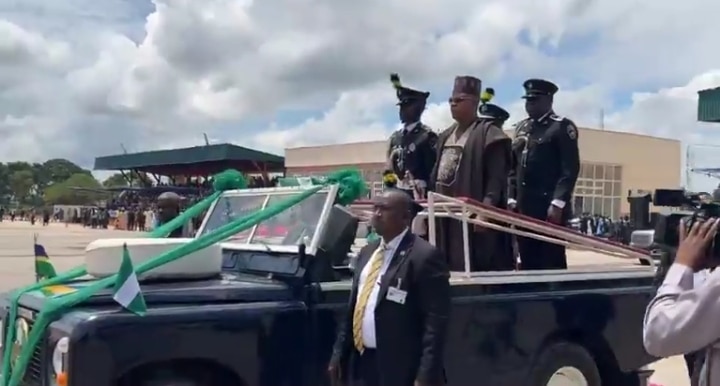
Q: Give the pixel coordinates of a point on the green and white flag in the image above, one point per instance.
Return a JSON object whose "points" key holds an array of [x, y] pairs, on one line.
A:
{"points": [[127, 288]]}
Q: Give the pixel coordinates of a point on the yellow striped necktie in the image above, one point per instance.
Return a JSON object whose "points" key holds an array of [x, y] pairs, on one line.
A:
{"points": [[374, 270]]}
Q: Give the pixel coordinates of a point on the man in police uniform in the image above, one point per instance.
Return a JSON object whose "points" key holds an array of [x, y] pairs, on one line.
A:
{"points": [[545, 166], [412, 150], [493, 113]]}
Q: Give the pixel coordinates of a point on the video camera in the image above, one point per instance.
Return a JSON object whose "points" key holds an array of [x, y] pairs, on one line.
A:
{"points": [[692, 209]]}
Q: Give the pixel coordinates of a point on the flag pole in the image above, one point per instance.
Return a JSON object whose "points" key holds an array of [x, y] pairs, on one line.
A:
{"points": [[37, 276]]}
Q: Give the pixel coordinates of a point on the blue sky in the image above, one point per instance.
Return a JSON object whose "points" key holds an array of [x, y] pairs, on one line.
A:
{"points": [[79, 77]]}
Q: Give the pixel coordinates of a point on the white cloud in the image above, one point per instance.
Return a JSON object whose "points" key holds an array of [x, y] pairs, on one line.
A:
{"points": [[77, 79]]}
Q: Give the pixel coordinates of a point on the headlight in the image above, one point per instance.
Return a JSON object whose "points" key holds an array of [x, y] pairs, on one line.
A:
{"points": [[60, 354]]}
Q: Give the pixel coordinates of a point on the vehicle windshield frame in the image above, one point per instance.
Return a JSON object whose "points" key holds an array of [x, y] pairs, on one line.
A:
{"points": [[331, 194]]}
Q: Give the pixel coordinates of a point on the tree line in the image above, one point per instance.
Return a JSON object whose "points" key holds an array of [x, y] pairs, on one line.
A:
{"points": [[55, 181]]}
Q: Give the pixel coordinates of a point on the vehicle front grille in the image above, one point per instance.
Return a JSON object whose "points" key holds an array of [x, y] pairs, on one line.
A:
{"points": [[35, 368]]}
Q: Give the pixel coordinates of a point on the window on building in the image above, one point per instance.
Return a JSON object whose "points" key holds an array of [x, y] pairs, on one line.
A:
{"points": [[586, 171], [578, 205], [598, 172], [607, 207], [597, 205], [610, 173], [616, 208], [607, 188], [598, 189]]}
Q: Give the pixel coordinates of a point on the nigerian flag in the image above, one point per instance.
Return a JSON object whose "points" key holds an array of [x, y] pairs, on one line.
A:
{"points": [[127, 287], [43, 267]]}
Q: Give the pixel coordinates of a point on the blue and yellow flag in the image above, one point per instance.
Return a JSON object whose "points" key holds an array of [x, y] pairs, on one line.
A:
{"points": [[43, 267]]}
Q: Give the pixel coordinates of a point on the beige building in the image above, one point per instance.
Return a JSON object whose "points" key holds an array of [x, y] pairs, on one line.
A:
{"points": [[612, 164]]}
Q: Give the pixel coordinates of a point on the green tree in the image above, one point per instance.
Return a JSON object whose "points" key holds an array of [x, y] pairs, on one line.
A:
{"points": [[25, 183], [5, 191], [21, 183], [79, 189], [58, 170], [115, 180]]}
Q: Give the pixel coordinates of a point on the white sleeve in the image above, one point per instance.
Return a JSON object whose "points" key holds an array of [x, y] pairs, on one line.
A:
{"points": [[681, 319]]}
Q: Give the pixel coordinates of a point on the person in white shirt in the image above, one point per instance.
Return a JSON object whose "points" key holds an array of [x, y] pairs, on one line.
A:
{"points": [[684, 318]]}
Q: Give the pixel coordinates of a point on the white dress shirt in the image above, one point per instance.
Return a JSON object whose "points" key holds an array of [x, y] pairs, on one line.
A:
{"points": [[683, 318], [368, 323]]}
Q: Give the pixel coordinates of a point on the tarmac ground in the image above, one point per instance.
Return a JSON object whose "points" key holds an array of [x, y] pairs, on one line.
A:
{"points": [[65, 246]]}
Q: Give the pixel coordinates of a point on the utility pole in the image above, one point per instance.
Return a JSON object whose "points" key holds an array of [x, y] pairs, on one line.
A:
{"points": [[207, 141], [688, 167]]}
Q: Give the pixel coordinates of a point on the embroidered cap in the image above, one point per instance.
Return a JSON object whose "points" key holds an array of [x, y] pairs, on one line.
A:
{"points": [[467, 84]]}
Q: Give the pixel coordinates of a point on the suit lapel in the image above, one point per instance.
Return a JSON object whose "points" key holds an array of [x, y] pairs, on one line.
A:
{"points": [[401, 253]]}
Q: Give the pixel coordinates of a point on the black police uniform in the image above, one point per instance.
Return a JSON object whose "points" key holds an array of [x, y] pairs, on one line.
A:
{"points": [[494, 113], [412, 149], [545, 167]]}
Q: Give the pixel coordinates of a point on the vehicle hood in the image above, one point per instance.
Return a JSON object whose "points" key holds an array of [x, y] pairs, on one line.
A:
{"points": [[225, 288]]}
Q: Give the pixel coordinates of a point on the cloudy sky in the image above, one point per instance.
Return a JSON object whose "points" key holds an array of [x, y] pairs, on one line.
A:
{"points": [[78, 78]]}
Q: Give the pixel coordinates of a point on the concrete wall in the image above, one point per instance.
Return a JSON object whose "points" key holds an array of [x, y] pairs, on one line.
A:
{"points": [[646, 162]]}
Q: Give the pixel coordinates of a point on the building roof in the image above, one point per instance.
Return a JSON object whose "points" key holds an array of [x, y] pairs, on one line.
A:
{"points": [[197, 157], [709, 105]]}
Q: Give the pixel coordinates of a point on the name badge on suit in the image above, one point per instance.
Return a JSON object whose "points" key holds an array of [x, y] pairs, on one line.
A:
{"points": [[396, 294]]}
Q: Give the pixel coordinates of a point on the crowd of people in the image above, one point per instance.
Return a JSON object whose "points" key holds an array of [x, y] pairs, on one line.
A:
{"points": [[617, 230], [133, 209]]}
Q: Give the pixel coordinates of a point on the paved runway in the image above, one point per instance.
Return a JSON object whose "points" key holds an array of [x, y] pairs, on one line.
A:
{"points": [[65, 246]]}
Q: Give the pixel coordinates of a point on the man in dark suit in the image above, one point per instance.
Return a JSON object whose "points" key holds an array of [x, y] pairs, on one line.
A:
{"points": [[395, 328]]}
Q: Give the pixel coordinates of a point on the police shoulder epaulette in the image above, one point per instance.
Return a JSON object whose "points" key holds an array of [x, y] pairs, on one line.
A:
{"points": [[519, 125]]}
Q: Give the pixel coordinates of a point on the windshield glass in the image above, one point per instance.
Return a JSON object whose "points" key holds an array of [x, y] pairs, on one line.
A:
{"points": [[291, 227]]}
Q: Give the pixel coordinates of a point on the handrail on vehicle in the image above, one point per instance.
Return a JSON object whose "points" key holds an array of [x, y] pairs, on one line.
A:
{"points": [[469, 211]]}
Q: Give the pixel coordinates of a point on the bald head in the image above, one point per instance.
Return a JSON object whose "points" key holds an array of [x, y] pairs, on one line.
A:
{"points": [[168, 206], [393, 212], [169, 197], [400, 200]]}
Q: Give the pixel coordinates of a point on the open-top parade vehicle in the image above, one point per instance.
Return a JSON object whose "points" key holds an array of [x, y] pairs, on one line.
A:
{"points": [[256, 297]]}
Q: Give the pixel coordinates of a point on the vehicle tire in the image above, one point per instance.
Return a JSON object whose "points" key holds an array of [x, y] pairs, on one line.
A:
{"points": [[564, 364]]}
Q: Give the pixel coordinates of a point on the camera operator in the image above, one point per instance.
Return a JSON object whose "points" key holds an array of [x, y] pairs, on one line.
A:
{"points": [[684, 318]]}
